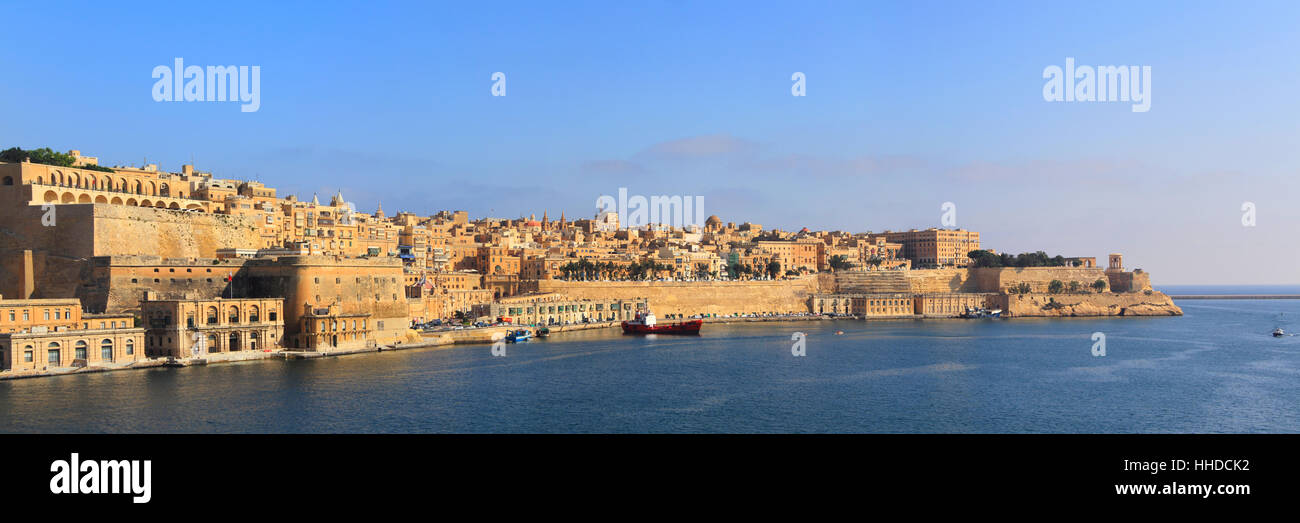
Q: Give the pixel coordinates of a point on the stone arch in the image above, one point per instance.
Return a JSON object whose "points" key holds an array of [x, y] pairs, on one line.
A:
{"points": [[84, 198], [69, 198], [116, 201], [101, 199], [160, 204], [74, 179], [164, 190], [138, 187], [194, 206], [146, 203], [153, 189], [51, 197]]}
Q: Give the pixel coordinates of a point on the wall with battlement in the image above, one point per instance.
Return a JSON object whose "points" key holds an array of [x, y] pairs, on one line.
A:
{"points": [[118, 283], [1003, 279], [943, 281], [62, 251], [705, 297]]}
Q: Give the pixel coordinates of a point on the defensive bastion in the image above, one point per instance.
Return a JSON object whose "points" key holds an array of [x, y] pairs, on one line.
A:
{"points": [[1124, 294]]}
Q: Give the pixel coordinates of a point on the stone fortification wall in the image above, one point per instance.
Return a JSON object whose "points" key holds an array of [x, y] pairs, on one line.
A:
{"points": [[76, 233], [707, 297]]}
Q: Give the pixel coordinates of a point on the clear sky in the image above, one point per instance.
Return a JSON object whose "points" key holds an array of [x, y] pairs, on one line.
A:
{"points": [[908, 105]]}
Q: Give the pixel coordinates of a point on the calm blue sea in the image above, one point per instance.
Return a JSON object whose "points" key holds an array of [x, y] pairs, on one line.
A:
{"points": [[1214, 370]]}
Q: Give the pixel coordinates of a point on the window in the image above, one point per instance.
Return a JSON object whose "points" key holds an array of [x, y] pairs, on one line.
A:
{"points": [[81, 350], [47, 315], [52, 356], [130, 347], [27, 354], [106, 350]]}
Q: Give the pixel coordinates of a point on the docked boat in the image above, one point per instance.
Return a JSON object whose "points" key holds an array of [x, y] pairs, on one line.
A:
{"points": [[1278, 332], [981, 312], [543, 332], [519, 335], [645, 323]]}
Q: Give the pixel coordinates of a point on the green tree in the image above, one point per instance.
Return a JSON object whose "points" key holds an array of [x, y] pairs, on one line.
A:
{"points": [[1099, 285], [773, 269], [1055, 287], [840, 262]]}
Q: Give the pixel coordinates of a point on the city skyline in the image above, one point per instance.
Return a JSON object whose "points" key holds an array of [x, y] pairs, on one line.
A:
{"points": [[696, 100]]}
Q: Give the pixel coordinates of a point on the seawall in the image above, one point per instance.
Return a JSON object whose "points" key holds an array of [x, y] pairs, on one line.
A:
{"points": [[700, 297]]}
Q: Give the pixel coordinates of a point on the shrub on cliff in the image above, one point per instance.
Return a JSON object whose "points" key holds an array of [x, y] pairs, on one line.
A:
{"points": [[1055, 287]]}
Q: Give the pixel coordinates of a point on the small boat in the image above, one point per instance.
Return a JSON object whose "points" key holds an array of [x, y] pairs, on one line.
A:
{"points": [[518, 336], [543, 332], [1278, 332], [981, 312], [645, 324]]}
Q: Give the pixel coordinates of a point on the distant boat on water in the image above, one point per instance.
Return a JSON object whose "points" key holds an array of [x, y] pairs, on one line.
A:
{"points": [[645, 323], [981, 312]]}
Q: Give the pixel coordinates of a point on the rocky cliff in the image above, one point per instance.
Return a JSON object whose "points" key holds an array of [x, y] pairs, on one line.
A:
{"points": [[1104, 304]]}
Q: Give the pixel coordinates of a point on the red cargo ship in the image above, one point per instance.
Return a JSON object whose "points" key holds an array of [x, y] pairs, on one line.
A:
{"points": [[645, 324]]}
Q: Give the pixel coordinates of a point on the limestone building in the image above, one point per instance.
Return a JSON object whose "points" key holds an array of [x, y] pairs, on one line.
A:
{"points": [[200, 327]]}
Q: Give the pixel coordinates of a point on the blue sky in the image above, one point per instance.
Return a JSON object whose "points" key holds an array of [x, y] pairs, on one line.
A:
{"points": [[909, 105]]}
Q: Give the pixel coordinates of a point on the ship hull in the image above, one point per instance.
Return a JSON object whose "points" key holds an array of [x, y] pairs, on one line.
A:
{"points": [[685, 327]]}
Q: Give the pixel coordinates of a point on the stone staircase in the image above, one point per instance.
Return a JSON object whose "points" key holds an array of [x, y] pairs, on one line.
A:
{"points": [[872, 282]]}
